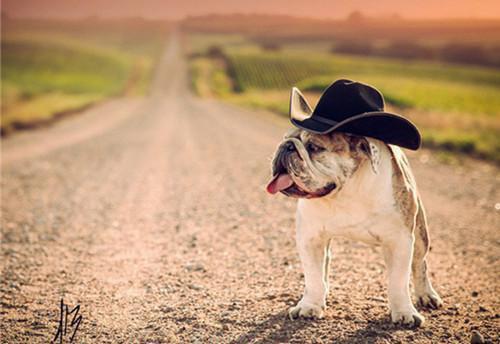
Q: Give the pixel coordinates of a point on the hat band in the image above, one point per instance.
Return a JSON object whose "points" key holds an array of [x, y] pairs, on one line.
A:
{"points": [[324, 120]]}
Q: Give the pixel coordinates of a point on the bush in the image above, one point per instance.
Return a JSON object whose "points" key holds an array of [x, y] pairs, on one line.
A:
{"points": [[215, 51], [270, 46]]}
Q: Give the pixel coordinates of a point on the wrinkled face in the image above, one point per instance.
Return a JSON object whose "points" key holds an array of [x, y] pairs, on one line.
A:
{"points": [[308, 165]]}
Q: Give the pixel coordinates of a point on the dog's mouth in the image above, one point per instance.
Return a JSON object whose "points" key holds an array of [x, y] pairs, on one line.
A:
{"points": [[283, 182]]}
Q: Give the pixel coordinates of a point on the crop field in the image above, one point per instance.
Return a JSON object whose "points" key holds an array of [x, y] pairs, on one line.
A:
{"points": [[456, 106], [51, 68]]}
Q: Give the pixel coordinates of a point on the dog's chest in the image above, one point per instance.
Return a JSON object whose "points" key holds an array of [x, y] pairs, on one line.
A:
{"points": [[369, 219]]}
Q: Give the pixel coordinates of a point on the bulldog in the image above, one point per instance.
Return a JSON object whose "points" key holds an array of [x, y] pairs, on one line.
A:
{"points": [[363, 189]]}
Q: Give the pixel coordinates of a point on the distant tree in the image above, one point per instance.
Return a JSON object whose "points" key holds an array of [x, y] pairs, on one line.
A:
{"points": [[396, 16], [464, 53], [355, 17], [357, 47], [406, 50], [494, 55]]}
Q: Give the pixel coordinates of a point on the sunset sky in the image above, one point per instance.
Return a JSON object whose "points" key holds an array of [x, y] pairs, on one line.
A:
{"points": [[175, 9]]}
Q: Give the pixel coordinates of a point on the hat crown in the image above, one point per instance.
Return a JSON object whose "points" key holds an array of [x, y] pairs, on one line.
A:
{"points": [[346, 98]]}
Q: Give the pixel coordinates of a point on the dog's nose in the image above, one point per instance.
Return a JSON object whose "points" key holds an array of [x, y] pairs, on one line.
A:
{"points": [[289, 146]]}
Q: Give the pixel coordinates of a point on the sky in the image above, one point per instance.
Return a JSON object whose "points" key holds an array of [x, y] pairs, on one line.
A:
{"points": [[177, 9]]}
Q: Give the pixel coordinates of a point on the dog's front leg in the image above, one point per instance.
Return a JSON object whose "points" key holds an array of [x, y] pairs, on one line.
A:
{"points": [[398, 254], [314, 255]]}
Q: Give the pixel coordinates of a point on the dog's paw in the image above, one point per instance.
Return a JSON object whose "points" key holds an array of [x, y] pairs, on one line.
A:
{"points": [[305, 310], [410, 318], [430, 300]]}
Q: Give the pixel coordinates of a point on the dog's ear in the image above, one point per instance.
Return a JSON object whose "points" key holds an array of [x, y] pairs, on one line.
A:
{"points": [[369, 149], [299, 107]]}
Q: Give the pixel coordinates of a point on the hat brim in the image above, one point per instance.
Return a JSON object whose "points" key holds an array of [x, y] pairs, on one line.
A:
{"points": [[384, 126]]}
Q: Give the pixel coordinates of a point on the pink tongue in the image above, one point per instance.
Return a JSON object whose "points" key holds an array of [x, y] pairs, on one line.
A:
{"points": [[279, 183]]}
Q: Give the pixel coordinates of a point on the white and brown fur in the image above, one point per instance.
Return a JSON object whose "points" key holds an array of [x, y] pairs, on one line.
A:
{"points": [[375, 201]]}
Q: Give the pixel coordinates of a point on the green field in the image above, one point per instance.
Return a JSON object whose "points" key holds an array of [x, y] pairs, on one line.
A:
{"points": [[50, 68], [456, 107]]}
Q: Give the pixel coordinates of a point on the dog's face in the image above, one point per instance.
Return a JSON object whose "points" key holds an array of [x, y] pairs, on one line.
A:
{"points": [[307, 165]]}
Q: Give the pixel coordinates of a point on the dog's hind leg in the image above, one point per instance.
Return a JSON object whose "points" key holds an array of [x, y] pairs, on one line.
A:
{"points": [[424, 292]]}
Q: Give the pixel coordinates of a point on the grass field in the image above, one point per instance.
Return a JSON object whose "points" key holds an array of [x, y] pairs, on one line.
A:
{"points": [[456, 107], [51, 68]]}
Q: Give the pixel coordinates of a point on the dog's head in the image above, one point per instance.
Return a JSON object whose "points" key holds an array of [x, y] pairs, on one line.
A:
{"points": [[307, 165]]}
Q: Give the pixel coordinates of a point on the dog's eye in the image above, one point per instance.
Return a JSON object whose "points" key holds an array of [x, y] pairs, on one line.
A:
{"points": [[312, 148]]}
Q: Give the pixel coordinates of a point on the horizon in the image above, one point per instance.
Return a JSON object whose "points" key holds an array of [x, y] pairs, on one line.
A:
{"points": [[313, 9], [394, 16]]}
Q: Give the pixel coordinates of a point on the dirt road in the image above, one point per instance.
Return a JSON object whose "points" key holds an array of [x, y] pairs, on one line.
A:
{"points": [[152, 216]]}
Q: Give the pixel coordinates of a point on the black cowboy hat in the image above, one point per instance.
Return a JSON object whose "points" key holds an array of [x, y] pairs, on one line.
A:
{"points": [[354, 108]]}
